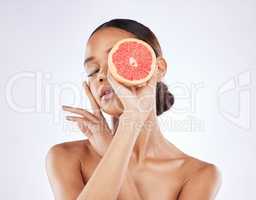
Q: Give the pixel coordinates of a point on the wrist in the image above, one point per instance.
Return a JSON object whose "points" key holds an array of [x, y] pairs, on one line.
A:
{"points": [[131, 118]]}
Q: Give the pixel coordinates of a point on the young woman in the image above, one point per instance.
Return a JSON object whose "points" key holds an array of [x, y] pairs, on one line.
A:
{"points": [[131, 160]]}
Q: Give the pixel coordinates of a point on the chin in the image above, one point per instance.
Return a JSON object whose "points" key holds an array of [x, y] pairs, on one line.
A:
{"points": [[112, 107]]}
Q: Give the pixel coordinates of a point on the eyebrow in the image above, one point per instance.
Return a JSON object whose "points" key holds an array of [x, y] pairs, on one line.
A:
{"points": [[92, 57]]}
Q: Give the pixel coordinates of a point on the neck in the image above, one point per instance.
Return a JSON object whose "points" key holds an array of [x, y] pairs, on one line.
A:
{"points": [[150, 141]]}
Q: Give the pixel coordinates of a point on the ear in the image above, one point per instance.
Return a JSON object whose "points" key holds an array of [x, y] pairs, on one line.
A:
{"points": [[161, 64]]}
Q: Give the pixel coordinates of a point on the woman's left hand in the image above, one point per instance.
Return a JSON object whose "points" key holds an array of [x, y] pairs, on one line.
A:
{"points": [[93, 125]]}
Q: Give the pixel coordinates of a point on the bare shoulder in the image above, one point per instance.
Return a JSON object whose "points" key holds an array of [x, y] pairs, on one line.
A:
{"points": [[202, 174], [194, 167], [202, 167], [71, 149], [191, 167], [202, 180]]}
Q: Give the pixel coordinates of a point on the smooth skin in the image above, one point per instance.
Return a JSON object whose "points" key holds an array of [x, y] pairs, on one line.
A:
{"points": [[133, 162]]}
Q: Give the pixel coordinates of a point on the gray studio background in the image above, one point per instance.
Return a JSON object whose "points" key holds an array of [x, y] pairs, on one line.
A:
{"points": [[210, 48]]}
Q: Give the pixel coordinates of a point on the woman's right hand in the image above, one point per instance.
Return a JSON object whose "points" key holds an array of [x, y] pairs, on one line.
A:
{"points": [[93, 125], [138, 102]]}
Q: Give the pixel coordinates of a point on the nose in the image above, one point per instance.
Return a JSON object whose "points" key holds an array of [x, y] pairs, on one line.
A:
{"points": [[102, 75], [100, 78]]}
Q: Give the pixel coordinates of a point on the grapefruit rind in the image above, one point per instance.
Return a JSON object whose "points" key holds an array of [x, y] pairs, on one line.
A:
{"points": [[121, 79]]}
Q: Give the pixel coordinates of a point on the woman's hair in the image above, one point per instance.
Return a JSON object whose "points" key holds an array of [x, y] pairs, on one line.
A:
{"points": [[164, 99]]}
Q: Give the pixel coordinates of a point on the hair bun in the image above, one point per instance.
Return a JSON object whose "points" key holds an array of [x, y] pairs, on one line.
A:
{"points": [[164, 98]]}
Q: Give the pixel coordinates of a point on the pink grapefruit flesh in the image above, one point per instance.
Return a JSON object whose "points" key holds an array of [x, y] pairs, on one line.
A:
{"points": [[132, 61]]}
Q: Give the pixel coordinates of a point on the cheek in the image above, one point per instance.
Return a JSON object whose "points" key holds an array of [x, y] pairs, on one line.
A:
{"points": [[90, 81]]}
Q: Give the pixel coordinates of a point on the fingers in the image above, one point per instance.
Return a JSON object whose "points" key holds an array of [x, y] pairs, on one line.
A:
{"points": [[84, 129], [75, 118], [82, 112], [81, 124], [153, 80], [125, 95], [133, 88], [94, 104], [151, 83], [121, 90]]}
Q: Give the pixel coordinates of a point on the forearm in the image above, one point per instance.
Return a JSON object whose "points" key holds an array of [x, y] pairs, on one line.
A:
{"points": [[106, 181]]}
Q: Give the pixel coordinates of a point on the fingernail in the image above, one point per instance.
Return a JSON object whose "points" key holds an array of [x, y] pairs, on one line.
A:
{"points": [[84, 84], [68, 118], [63, 107]]}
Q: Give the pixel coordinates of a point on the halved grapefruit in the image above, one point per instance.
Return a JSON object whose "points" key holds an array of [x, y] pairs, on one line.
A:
{"points": [[132, 61]]}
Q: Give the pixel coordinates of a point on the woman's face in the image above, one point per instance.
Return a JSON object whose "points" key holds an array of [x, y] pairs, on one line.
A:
{"points": [[96, 67]]}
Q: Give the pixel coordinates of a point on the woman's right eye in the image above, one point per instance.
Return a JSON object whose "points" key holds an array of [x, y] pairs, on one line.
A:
{"points": [[97, 70]]}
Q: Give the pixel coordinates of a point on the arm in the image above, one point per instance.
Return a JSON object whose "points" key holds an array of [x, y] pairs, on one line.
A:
{"points": [[109, 174], [203, 185], [67, 182]]}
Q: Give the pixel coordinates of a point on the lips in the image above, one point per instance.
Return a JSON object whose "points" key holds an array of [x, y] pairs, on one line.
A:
{"points": [[106, 93]]}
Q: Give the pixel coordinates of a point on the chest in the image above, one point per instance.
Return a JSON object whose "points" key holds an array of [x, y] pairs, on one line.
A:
{"points": [[147, 184], [152, 185]]}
